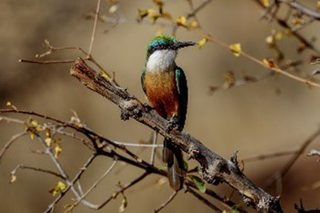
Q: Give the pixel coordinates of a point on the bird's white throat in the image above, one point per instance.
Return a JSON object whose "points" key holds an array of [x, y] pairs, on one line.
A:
{"points": [[161, 60]]}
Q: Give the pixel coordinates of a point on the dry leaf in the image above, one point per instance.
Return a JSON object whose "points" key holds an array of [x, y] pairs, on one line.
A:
{"points": [[268, 63], [229, 80]]}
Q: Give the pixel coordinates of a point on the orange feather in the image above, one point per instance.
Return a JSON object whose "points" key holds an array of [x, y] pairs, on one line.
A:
{"points": [[161, 91]]}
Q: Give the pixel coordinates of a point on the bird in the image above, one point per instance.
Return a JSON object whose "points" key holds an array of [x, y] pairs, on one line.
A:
{"points": [[165, 86]]}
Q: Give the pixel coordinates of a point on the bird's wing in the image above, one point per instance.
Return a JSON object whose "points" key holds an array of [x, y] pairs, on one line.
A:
{"points": [[182, 88], [142, 81]]}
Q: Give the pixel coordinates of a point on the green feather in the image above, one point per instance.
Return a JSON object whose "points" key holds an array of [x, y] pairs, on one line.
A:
{"points": [[182, 87]]}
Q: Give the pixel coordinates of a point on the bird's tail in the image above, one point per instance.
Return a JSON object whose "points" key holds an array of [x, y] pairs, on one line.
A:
{"points": [[173, 156]]}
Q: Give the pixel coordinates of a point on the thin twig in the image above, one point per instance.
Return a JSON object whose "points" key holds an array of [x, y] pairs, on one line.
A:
{"points": [[47, 61], [92, 187], [93, 136], [94, 27], [302, 9], [268, 156], [285, 169], [283, 23], [63, 173], [166, 203], [199, 8], [226, 202], [139, 145], [122, 189], [11, 120], [52, 49], [137, 162], [204, 200], [10, 142], [274, 68], [21, 166], [314, 152], [74, 180], [154, 146]]}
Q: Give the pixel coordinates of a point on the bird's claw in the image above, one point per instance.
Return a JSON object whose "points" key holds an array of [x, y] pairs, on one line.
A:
{"points": [[173, 124], [147, 107]]}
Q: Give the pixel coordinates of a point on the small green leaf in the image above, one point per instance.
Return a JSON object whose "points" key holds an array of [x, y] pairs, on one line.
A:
{"points": [[234, 211], [200, 184], [185, 165], [231, 211]]}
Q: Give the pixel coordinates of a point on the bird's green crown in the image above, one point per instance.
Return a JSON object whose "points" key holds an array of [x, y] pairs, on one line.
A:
{"points": [[161, 42], [165, 42]]}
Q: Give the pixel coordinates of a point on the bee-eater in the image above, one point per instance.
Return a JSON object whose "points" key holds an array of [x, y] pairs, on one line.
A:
{"points": [[165, 86]]}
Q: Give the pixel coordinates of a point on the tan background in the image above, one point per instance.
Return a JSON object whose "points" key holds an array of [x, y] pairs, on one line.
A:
{"points": [[253, 119]]}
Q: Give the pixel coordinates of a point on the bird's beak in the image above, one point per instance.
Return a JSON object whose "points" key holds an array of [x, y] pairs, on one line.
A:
{"points": [[182, 44]]}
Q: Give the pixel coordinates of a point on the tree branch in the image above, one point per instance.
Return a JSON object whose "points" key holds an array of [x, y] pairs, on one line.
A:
{"points": [[214, 168]]}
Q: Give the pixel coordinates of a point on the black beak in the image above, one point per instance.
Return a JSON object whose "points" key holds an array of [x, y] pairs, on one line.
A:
{"points": [[182, 44]]}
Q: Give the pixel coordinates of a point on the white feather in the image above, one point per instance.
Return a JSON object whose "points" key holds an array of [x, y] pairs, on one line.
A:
{"points": [[161, 60]]}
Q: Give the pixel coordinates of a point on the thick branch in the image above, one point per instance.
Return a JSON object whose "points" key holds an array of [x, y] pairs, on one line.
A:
{"points": [[215, 169], [303, 9]]}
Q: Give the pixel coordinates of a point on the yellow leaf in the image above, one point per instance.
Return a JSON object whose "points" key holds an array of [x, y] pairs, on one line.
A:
{"points": [[34, 123], [9, 104], [202, 42], [32, 136], [181, 21], [297, 21], [269, 39], [193, 25], [58, 188], [161, 181], [13, 178], [266, 3], [153, 14], [57, 150], [48, 133], [235, 49], [48, 141], [124, 204], [268, 63], [142, 14], [278, 35], [113, 8]]}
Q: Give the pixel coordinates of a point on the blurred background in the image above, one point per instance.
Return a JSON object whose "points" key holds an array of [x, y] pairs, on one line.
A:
{"points": [[272, 115]]}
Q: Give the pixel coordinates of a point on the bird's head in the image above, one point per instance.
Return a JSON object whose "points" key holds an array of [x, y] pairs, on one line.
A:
{"points": [[164, 42]]}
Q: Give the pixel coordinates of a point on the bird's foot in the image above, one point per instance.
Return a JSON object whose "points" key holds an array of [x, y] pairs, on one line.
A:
{"points": [[147, 107], [173, 124]]}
